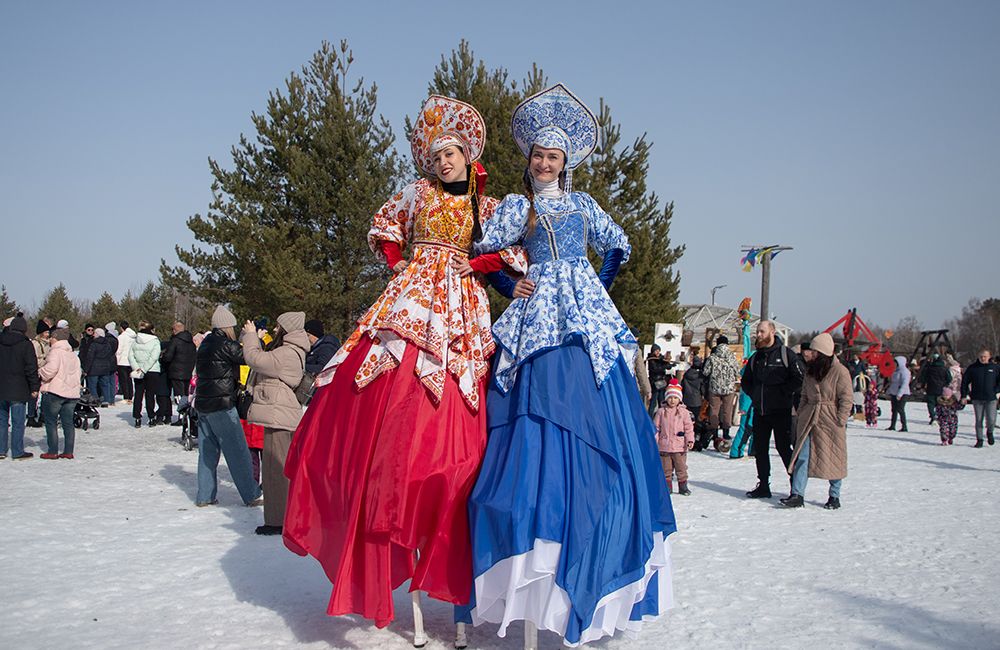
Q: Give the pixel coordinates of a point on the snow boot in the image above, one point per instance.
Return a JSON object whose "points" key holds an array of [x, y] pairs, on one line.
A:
{"points": [[762, 491], [682, 488], [833, 503], [725, 435], [138, 422], [267, 530], [793, 501], [978, 445], [717, 444], [989, 437]]}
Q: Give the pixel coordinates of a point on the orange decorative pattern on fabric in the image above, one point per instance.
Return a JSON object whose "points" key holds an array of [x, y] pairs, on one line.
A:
{"points": [[427, 304], [443, 116]]}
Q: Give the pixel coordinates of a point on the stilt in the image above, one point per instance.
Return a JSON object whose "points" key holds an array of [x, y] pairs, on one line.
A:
{"points": [[530, 636], [461, 640], [419, 636]]}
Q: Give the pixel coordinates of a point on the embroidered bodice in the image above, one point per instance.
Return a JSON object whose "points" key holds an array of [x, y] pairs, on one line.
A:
{"points": [[568, 298], [428, 304]]}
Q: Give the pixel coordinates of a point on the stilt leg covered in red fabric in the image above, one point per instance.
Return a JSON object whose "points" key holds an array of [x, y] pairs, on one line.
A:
{"points": [[378, 475]]}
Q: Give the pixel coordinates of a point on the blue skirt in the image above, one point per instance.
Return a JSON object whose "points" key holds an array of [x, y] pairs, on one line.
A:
{"points": [[570, 512]]}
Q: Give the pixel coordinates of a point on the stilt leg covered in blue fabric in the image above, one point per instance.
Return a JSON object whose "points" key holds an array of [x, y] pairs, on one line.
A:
{"points": [[570, 513]]}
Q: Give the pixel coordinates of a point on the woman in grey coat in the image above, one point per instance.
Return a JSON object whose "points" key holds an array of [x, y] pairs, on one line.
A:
{"points": [[275, 373]]}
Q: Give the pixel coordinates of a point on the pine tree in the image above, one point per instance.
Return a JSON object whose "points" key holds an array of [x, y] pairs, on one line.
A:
{"points": [[286, 229], [57, 305], [647, 287], [104, 310], [153, 304], [8, 307]]}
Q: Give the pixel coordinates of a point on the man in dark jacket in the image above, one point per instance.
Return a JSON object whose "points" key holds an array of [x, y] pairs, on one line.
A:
{"points": [[980, 385], [100, 364], [934, 376], [657, 368], [177, 363], [324, 346], [84, 345], [19, 382], [218, 363], [693, 390], [771, 378]]}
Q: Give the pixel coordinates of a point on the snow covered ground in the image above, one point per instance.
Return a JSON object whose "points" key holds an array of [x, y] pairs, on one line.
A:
{"points": [[108, 551]]}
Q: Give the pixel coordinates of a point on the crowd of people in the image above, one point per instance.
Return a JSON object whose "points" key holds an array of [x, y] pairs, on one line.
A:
{"points": [[803, 397], [519, 470]]}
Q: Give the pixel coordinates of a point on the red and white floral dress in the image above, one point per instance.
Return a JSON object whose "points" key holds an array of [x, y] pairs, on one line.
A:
{"points": [[383, 461]]}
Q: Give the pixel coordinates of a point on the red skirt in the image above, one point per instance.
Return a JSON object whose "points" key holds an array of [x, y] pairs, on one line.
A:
{"points": [[378, 484]]}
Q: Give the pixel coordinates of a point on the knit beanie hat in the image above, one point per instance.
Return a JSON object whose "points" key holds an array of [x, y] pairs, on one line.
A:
{"points": [[675, 389], [41, 327], [62, 324], [822, 343], [315, 327], [18, 324], [292, 321], [947, 392], [722, 340], [222, 317], [98, 333]]}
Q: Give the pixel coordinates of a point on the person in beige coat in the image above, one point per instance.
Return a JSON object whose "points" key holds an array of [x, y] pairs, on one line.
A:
{"points": [[821, 433], [275, 373]]}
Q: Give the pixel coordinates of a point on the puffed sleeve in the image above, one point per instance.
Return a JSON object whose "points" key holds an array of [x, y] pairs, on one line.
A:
{"points": [[602, 231], [514, 256], [392, 221], [506, 227]]}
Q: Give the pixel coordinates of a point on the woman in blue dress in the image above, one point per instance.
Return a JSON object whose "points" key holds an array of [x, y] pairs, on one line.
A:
{"points": [[570, 513]]}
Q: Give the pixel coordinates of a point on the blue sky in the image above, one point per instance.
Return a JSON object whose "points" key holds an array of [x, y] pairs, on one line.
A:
{"points": [[863, 134]]}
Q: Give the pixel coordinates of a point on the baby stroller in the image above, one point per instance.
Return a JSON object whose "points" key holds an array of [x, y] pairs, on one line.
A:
{"points": [[189, 426], [189, 419], [85, 411]]}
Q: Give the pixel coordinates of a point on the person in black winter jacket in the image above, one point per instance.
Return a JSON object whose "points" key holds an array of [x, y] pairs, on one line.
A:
{"points": [[218, 364], [177, 363], [19, 382], [324, 346], [980, 384], [934, 376], [693, 388], [85, 341], [100, 364], [771, 378]]}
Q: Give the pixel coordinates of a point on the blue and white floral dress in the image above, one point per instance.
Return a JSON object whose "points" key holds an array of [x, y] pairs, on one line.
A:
{"points": [[570, 513]]}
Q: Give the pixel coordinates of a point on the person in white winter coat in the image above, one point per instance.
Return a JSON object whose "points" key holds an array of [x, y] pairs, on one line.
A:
{"points": [[899, 388], [144, 359], [125, 341]]}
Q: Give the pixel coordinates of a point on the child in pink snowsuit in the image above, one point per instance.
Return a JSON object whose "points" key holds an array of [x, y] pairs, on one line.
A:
{"points": [[946, 412], [674, 436]]}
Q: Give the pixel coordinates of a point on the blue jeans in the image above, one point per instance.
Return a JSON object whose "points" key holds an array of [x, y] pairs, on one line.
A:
{"points": [[800, 476], [220, 431], [12, 415], [985, 410], [101, 387], [58, 410]]}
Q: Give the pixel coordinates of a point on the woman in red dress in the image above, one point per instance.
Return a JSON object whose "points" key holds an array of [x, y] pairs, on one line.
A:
{"points": [[383, 461]]}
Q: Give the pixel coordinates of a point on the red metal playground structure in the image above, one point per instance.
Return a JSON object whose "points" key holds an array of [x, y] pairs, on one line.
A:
{"points": [[877, 353]]}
